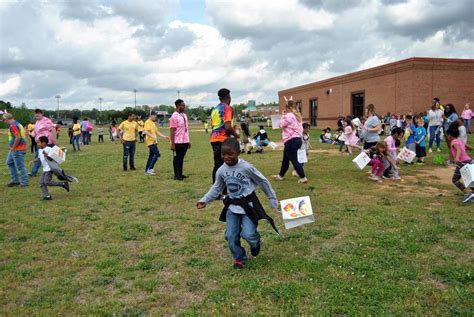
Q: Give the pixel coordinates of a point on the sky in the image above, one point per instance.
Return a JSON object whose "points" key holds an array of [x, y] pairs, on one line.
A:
{"points": [[83, 50]]}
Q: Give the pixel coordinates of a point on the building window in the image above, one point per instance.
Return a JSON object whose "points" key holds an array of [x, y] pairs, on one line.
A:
{"points": [[313, 111], [358, 104]]}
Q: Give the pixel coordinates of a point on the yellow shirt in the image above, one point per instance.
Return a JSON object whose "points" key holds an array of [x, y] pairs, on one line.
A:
{"points": [[30, 128], [150, 127], [140, 125], [129, 130], [76, 129]]}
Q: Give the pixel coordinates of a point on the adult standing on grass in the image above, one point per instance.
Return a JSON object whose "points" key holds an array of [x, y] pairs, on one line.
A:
{"points": [[127, 132], [179, 135], [435, 124], [16, 155], [467, 116], [373, 126], [151, 132], [76, 134], [221, 125], [43, 127], [292, 131], [84, 131]]}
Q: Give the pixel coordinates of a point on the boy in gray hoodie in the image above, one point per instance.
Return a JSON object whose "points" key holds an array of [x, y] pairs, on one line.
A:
{"points": [[242, 209]]}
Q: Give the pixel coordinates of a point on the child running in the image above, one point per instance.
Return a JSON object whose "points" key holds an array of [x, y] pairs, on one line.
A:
{"points": [[47, 175], [242, 209], [420, 142], [392, 149], [458, 151]]}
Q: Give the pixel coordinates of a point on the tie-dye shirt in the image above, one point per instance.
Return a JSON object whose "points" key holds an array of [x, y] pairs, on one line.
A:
{"points": [[17, 130], [220, 114]]}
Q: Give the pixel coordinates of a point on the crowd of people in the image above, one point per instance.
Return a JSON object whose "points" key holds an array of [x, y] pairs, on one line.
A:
{"points": [[235, 180]]}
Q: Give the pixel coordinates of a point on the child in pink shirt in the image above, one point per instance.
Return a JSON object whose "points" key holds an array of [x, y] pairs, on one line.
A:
{"points": [[392, 153], [458, 151]]}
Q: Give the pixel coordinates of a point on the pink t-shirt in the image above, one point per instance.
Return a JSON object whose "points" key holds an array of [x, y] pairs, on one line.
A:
{"points": [[462, 146], [466, 114], [391, 147], [292, 128], [180, 122], [45, 127]]}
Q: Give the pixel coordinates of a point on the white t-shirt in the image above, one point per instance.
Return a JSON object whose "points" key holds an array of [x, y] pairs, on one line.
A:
{"points": [[43, 159], [435, 117], [462, 134]]}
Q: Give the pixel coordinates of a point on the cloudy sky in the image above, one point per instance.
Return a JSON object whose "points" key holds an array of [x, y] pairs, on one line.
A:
{"points": [[84, 49]]}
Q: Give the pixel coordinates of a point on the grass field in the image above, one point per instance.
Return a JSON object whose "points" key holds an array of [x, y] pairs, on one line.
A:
{"points": [[123, 244]]}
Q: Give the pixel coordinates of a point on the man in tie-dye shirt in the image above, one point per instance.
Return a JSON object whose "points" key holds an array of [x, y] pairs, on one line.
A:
{"points": [[16, 156], [221, 124]]}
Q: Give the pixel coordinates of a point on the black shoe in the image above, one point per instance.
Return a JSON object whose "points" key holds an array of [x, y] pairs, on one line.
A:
{"points": [[249, 152], [47, 197], [66, 186], [184, 176], [255, 250], [178, 178], [133, 169], [12, 184]]}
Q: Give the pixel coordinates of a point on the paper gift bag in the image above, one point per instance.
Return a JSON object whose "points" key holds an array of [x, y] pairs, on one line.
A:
{"points": [[467, 173], [276, 121], [57, 154], [302, 157], [406, 155], [296, 212], [361, 160], [272, 145]]}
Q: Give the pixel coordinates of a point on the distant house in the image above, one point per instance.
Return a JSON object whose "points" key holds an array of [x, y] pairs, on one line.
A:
{"points": [[405, 86]]}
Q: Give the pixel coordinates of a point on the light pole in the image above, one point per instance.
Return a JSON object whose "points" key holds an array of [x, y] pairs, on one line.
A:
{"points": [[179, 92], [57, 98], [135, 91], [100, 107]]}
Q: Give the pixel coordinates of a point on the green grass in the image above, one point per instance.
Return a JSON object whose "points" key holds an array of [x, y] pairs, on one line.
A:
{"points": [[128, 245]]}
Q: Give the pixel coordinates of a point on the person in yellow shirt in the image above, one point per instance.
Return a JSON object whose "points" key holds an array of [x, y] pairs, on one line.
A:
{"points": [[128, 137], [76, 134], [141, 125], [151, 131], [30, 127]]}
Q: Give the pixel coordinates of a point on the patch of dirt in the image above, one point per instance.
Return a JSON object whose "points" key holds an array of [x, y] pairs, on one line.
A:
{"points": [[327, 151]]}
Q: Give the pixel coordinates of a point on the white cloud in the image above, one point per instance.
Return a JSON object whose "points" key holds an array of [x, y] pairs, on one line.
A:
{"points": [[10, 86]]}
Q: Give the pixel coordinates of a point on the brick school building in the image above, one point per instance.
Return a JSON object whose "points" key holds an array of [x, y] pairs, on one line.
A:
{"points": [[401, 87]]}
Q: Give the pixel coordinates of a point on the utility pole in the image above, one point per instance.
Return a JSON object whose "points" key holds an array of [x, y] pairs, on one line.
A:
{"points": [[179, 92], [100, 108], [135, 91], [57, 98]]}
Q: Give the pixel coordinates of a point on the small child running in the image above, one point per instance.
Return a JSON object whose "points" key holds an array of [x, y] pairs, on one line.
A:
{"points": [[242, 209], [47, 175], [458, 151]]}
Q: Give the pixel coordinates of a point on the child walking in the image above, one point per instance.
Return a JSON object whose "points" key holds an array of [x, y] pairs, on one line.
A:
{"points": [[242, 208], [420, 141], [350, 136], [47, 175], [392, 149], [458, 151]]}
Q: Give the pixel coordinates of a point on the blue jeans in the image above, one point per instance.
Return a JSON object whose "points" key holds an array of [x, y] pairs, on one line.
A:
{"points": [[76, 141], [467, 124], [238, 226], [128, 151], [434, 134], [152, 156], [290, 154], [15, 163]]}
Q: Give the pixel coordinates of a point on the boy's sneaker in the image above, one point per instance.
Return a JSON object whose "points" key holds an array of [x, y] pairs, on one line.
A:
{"points": [[47, 197], [255, 250], [397, 178], [438, 149], [277, 177], [238, 265], [295, 173], [430, 150], [303, 180], [468, 197], [13, 184], [65, 186], [150, 173]]}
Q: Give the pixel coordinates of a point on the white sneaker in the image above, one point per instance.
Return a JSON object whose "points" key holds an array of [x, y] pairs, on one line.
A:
{"points": [[150, 173], [303, 180], [151, 170], [295, 173], [277, 177], [430, 150], [438, 150]]}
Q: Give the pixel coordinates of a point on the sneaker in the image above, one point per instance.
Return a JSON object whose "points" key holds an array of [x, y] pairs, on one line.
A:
{"points": [[295, 173], [303, 180], [396, 178], [150, 173], [238, 265], [438, 149], [277, 177], [184, 176], [468, 197], [449, 163], [151, 170], [65, 186], [47, 197], [133, 169], [255, 250], [374, 178], [13, 184], [430, 150], [248, 152]]}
